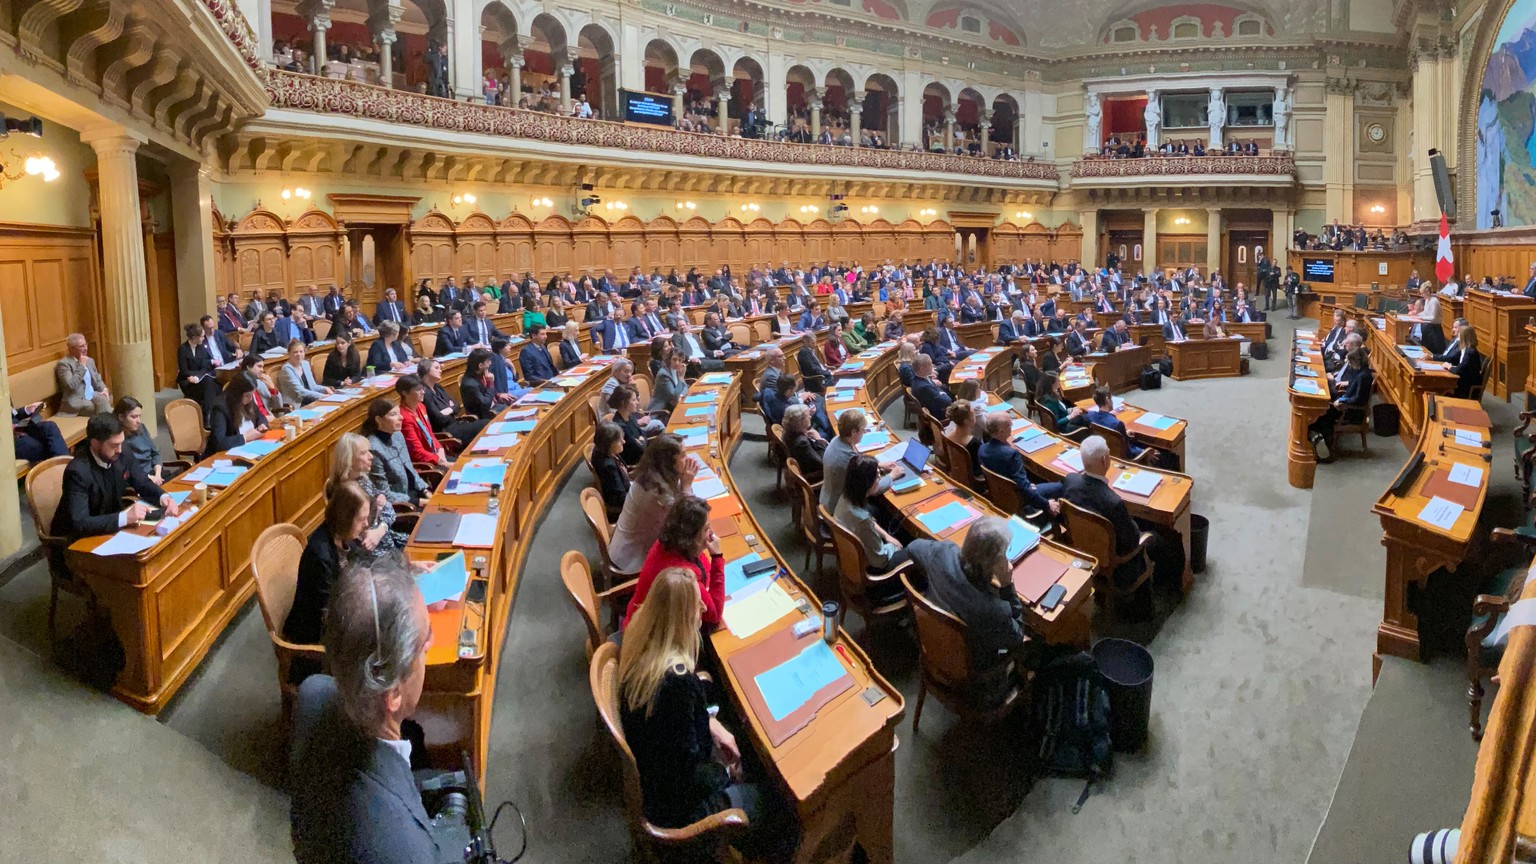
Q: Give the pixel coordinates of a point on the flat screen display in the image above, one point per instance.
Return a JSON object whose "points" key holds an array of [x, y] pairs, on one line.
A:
{"points": [[1316, 270], [652, 108]]}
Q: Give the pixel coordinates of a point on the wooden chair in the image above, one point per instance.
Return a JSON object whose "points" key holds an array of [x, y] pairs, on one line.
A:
{"points": [[642, 386], [944, 662], [1002, 491], [813, 528], [1476, 393], [856, 580], [597, 519], [322, 328], [426, 343], [1093, 534], [929, 429], [707, 839], [957, 462], [243, 340], [1047, 421], [275, 571], [317, 367], [1525, 454], [44, 487], [1351, 423], [184, 420], [740, 332], [577, 577], [1120, 445], [777, 454], [762, 331], [909, 407], [1498, 592]]}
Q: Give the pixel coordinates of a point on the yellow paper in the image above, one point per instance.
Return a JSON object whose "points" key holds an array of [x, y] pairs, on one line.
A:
{"points": [[749, 615]]}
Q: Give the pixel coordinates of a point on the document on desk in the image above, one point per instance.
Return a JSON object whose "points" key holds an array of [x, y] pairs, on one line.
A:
{"points": [[950, 516], [445, 581], [710, 488], [873, 440], [700, 411], [1470, 439], [1142, 483], [850, 383], [125, 543], [483, 474], [1155, 421], [1071, 459], [338, 396], [1440, 513], [1304, 372], [700, 398], [196, 475], [1035, 443], [1307, 386], [1466, 475], [750, 615], [492, 443], [477, 530], [254, 450], [548, 397], [735, 579], [225, 476], [792, 683], [570, 380], [716, 378], [307, 414], [1023, 537]]}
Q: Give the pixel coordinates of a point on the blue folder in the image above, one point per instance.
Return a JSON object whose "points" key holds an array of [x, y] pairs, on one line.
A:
{"points": [[446, 581], [792, 683]]}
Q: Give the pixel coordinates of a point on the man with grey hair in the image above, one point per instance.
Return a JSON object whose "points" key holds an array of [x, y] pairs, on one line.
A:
{"points": [[1089, 490], [82, 392], [774, 360], [973, 582], [354, 798], [622, 371]]}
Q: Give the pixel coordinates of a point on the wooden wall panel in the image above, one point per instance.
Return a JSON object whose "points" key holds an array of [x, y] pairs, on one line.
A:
{"points": [[50, 286], [1513, 261]]}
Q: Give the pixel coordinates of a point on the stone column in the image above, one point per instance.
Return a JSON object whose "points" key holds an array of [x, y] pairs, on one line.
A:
{"points": [[984, 131], [893, 122], [949, 130], [1212, 240], [1338, 163], [1149, 241], [515, 77], [386, 39], [318, 25], [1089, 219], [192, 216], [856, 115], [566, 71], [722, 107], [1280, 237], [679, 90], [813, 101], [131, 370], [1427, 123]]}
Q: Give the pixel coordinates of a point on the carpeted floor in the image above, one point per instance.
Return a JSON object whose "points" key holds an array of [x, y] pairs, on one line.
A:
{"points": [[1262, 673]]}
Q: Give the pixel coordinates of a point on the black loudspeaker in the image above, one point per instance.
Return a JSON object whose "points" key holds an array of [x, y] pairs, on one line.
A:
{"points": [[1444, 194]]}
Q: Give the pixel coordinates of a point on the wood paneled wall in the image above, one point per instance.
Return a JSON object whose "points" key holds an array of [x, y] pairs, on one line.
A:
{"points": [[50, 287], [1512, 260], [263, 251]]}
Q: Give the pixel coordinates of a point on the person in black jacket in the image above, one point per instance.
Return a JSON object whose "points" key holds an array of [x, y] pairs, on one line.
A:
{"points": [[812, 372], [452, 337], [625, 404], [477, 389], [345, 366], [98, 479], [390, 352], [233, 420], [329, 548], [804, 444], [1358, 381], [442, 410], [1467, 364], [611, 473], [194, 368], [265, 337]]}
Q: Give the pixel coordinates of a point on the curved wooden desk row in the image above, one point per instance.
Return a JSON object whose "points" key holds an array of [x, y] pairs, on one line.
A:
{"points": [[1404, 380], [1415, 547], [459, 693], [170, 603], [839, 768], [1168, 508], [1306, 405], [1499, 319]]}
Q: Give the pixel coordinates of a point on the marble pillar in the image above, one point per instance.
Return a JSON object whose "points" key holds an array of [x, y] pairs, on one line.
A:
{"points": [[131, 369]]}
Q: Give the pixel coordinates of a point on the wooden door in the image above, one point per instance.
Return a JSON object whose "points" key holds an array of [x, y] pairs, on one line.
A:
{"points": [[1243, 249], [1123, 242]]}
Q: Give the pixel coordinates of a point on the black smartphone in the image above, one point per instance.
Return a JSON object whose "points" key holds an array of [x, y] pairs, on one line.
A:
{"points": [[1053, 597], [476, 592], [155, 514]]}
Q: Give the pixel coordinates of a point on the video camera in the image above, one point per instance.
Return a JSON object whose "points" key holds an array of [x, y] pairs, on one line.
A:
{"points": [[458, 815]]}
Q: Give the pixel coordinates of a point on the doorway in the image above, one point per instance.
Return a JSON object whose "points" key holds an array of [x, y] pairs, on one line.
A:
{"points": [[1244, 248]]}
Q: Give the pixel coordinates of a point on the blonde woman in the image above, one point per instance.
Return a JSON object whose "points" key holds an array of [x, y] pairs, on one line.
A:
{"points": [[570, 345], [352, 462], [689, 763]]}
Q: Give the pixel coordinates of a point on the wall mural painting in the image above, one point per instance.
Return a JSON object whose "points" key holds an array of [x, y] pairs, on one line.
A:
{"points": [[1506, 123]]}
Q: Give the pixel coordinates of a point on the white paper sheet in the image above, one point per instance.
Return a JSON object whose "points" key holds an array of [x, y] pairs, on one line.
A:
{"points": [[748, 616], [477, 530], [1469, 439], [1440, 513], [1466, 475], [124, 543]]}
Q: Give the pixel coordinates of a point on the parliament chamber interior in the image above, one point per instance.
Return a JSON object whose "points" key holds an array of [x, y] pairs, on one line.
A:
{"points": [[768, 430]]}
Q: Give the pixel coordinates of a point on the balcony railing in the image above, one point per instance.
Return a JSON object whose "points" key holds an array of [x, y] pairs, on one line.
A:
{"points": [[355, 99], [1278, 165]]}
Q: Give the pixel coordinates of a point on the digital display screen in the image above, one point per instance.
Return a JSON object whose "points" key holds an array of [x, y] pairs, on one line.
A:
{"points": [[1316, 270], [650, 108]]}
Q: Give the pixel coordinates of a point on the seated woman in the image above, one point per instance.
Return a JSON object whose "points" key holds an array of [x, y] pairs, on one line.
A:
{"points": [[961, 429], [138, 447], [664, 475], [1467, 363], [392, 471], [389, 352], [1358, 382], [855, 513], [233, 420], [1029, 369], [420, 440], [612, 474], [781, 324], [834, 353], [442, 409], [906, 355], [1213, 329], [352, 462], [1052, 400], [624, 402], [689, 765], [780, 397], [570, 345], [477, 389], [555, 315], [804, 444], [684, 539], [268, 399], [331, 547], [344, 367], [425, 312], [670, 387]]}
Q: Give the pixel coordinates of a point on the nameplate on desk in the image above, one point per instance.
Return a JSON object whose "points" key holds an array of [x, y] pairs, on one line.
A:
{"points": [[1441, 513], [1470, 439]]}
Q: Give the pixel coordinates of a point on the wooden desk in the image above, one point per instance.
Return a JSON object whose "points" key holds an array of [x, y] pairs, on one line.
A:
{"points": [[992, 367], [459, 692], [1415, 549], [1500, 320], [1404, 381], [1253, 331], [1306, 407], [1205, 358], [170, 603], [1120, 370], [1170, 440], [1399, 327], [1150, 335], [1077, 381], [1168, 509], [840, 769], [1357, 271], [981, 334]]}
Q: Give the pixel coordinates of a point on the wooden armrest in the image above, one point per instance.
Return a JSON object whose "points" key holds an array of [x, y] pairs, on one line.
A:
{"points": [[1525, 421], [1142, 547], [1147, 456], [1505, 535], [622, 590], [405, 523], [404, 507], [313, 652], [1078, 435], [892, 573], [1490, 605], [724, 825]]}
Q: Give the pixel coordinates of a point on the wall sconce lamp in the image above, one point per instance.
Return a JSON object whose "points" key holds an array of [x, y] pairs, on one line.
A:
{"points": [[297, 192], [809, 209], [869, 209], [611, 206], [929, 211], [686, 205], [35, 165], [1023, 214], [541, 202], [1378, 209], [465, 198], [1182, 220], [749, 207]]}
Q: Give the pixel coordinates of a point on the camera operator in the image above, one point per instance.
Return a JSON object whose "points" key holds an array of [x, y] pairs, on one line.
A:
{"points": [[354, 798]]}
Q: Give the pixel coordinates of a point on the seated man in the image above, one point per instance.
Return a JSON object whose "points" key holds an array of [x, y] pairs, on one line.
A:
{"points": [[815, 374], [82, 392], [973, 582], [354, 797], [1078, 344], [1116, 337], [36, 439], [98, 479], [1000, 457], [538, 366], [1089, 490], [1103, 414], [926, 387]]}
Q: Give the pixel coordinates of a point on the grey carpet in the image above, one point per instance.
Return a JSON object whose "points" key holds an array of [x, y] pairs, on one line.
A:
{"points": [[1262, 674]]}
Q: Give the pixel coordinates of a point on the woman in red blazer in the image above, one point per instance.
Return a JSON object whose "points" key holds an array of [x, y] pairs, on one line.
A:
{"points": [[834, 353], [415, 425], [685, 538]]}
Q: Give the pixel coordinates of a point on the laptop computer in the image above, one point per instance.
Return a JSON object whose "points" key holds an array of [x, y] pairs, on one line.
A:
{"points": [[913, 460], [437, 528]]}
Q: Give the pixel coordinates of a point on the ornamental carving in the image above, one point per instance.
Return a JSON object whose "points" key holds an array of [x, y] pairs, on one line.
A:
{"points": [[1165, 166], [352, 98], [238, 30]]}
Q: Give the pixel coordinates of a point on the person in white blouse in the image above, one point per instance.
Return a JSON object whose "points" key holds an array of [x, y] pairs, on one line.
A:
{"points": [[296, 379]]}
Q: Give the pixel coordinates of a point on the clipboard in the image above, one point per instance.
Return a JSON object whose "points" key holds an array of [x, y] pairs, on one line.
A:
{"points": [[770, 652], [1439, 485], [1035, 574]]}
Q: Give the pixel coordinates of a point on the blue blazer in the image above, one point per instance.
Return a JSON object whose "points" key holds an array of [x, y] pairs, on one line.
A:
{"points": [[931, 397], [380, 357], [481, 331], [390, 311], [287, 331], [1006, 334], [1111, 340], [538, 366], [569, 354], [450, 341], [1108, 421], [1000, 458], [608, 329]]}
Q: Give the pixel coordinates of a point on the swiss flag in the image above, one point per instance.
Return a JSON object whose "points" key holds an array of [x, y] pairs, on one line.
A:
{"points": [[1443, 259]]}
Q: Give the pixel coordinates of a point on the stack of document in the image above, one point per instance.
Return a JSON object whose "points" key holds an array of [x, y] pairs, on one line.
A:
{"points": [[445, 581], [493, 443], [125, 543], [749, 615], [710, 488], [716, 378], [255, 449], [476, 530], [1071, 459], [1141, 483], [484, 472], [1023, 538]]}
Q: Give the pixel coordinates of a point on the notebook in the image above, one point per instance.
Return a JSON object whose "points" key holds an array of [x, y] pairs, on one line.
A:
{"points": [[437, 527]]}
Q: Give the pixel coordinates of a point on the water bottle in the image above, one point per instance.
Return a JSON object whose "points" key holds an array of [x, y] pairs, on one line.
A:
{"points": [[493, 506], [829, 621]]}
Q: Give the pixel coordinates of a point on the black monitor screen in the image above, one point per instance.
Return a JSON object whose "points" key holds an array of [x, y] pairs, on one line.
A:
{"points": [[647, 108], [1317, 270]]}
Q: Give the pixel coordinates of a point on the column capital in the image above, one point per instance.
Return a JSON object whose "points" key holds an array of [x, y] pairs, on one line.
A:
{"points": [[567, 70], [112, 141], [386, 37], [679, 88], [319, 23], [722, 92], [517, 61], [856, 97]]}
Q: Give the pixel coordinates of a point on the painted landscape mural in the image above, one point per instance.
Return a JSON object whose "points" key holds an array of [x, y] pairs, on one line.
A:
{"points": [[1506, 122]]}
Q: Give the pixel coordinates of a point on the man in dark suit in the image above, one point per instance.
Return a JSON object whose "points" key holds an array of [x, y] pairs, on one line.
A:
{"points": [[97, 480], [333, 301], [1115, 337], [1173, 330], [195, 368], [220, 349], [1077, 340], [1000, 457], [511, 300], [481, 329], [452, 337], [312, 305], [1530, 284], [294, 326], [601, 307], [1103, 414], [972, 311], [717, 339], [538, 366], [452, 296], [390, 309], [926, 387], [812, 370], [1087, 489], [1011, 331], [230, 319], [354, 796], [1336, 334]]}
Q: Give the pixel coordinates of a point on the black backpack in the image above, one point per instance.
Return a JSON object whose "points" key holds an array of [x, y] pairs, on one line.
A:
{"points": [[1071, 716], [1151, 378], [1165, 366]]}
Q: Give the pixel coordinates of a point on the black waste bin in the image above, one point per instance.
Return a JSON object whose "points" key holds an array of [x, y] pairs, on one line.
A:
{"points": [[1199, 538], [1386, 419], [1127, 671]]}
